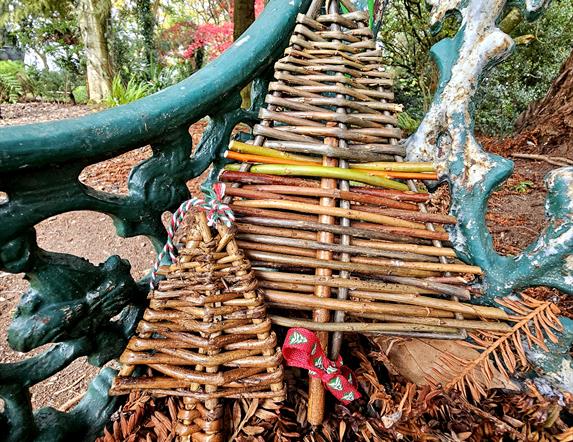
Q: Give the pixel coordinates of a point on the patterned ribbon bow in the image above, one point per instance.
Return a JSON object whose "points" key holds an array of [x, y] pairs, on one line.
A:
{"points": [[215, 210], [302, 349]]}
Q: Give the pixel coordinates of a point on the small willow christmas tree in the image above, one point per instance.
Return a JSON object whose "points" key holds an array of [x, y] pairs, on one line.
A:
{"points": [[205, 335]]}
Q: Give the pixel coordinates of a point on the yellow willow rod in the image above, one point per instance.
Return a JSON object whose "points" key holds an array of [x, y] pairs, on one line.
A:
{"points": [[324, 172], [237, 146]]}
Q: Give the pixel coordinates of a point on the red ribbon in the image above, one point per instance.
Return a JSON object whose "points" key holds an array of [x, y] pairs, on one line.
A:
{"points": [[302, 349]]}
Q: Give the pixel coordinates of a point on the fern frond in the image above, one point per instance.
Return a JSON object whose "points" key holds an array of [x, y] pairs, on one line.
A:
{"points": [[501, 353], [10, 87]]}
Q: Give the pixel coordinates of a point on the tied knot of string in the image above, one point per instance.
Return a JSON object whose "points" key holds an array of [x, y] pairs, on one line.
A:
{"points": [[215, 210]]}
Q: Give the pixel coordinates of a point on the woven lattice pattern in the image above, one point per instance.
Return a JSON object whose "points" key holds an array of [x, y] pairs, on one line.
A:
{"points": [[205, 335], [330, 109]]}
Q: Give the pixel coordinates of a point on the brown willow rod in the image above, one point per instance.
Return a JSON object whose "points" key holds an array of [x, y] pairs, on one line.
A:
{"points": [[338, 248], [413, 196], [316, 393], [329, 211], [443, 304], [416, 249], [303, 251], [303, 301], [359, 327], [373, 153], [243, 177], [244, 222], [335, 193], [256, 194], [352, 284], [290, 216], [381, 312], [338, 265], [437, 267], [403, 298]]}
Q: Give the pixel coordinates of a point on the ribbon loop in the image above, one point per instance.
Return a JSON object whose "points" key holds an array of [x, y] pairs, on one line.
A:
{"points": [[302, 349]]}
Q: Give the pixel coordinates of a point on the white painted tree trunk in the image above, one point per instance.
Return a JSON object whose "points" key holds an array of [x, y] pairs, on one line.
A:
{"points": [[93, 18]]}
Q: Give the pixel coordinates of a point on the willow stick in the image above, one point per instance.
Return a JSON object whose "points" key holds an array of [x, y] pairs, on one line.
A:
{"points": [[337, 248], [251, 211], [316, 391], [286, 286], [446, 322], [337, 282], [327, 172], [307, 302], [383, 270], [273, 231], [269, 160], [244, 148], [335, 193], [400, 175], [382, 312], [260, 159], [437, 218], [378, 234], [374, 153], [413, 248], [259, 178], [358, 327], [413, 196], [395, 166], [442, 304], [415, 233], [287, 250], [431, 266], [253, 194], [330, 211], [352, 284]]}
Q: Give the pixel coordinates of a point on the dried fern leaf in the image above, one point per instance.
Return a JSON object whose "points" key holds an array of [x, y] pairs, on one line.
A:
{"points": [[500, 353]]}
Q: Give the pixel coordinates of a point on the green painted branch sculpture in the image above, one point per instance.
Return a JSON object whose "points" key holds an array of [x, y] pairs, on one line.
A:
{"points": [[71, 302], [446, 137]]}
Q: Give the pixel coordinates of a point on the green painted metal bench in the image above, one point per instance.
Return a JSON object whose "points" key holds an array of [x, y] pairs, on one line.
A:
{"points": [[89, 310]]}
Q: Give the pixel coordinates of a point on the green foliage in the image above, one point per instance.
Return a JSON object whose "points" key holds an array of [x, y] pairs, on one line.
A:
{"points": [[49, 85], [406, 39], [124, 93], [80, 94], [527, 75], [523, 186], [13, 81], [407, 123], [10, 89]]}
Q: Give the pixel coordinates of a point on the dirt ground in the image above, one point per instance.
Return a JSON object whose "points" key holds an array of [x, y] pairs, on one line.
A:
{"points": [[516, 215]]}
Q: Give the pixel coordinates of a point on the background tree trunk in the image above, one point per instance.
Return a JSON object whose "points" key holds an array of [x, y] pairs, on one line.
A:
{"points": [[243, 16], [94, 16], [551, 118]]}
